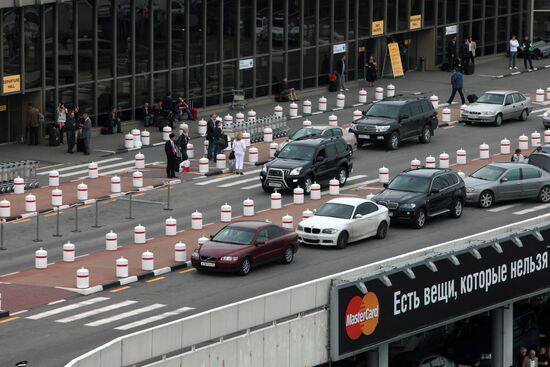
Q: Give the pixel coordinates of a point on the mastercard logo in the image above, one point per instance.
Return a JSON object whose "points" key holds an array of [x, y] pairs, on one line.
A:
{"points": [[362, 315]]}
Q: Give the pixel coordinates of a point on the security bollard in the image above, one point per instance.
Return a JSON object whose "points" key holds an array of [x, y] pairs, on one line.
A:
{"points": [[505, 146], [288, 222], [383, 175], [390, 90], [82, 192], [220, 161], [82, 278], [357, 115], [315, 193], [547, 136], [276, 201], [307, 213], [430, 162], [443, 160], [139, 234], [170, 227], [93, 170], [446, 115], [273, 148], [539, 95], [484, 151], [145, 138], [268, 135], [196, 220], [306, 123], [278, 111], [435, 101], [322, 104], [535, 139], [203, 165], [239, 118], [53, 178], [139, 161], [190, 151], [379, 93], [147, 261], [340, 100], [205, 145], [18, 185], [41, 259], [333, 120], [334, 187], [253, 155], [180, 252], [227, 120], [246, 139], [248, 207], [137, 137], [251, 115], [68, 252], [57, 197], [111, 241], [461, 156], [115, 185], [137, 179], [30, 203], [166, 131], [225, 213], [293, 110], [362, 96], [307, 107], [523, 142], [415, 163], [128, 141], [298, 195], [121, 265]]}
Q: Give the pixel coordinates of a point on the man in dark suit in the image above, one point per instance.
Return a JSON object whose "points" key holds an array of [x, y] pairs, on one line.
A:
{"points": [[147, 114], [86, 132], [210, 127], [341, 71], [171, 151]]}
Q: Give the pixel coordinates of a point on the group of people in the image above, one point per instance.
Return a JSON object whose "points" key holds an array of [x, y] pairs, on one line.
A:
{"points": [[467, 53], [78, 128], [530, 358], [526, 47], [166, 109]]}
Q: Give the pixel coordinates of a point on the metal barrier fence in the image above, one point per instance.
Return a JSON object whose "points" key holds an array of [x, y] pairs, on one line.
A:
{"points": [[256, 127], [23, 169], [154, 344]]}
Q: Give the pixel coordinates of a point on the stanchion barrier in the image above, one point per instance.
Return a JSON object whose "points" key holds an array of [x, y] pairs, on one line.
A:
{"points": [[415, 163], [379, 93], [139, 234], [115, 185], [30, 203], [166, 131], [276, 201], [446, 115], [18, 185], [333, 120], [170, 227], [306, 123], [196, 220], [225, 213], [390, 90], [278, 111], [248, 207], [362, 96], [41, 259], [505, 146], [273, 148], [68, 252], [535, 139], [82, 192], [357, 115], [322, 104], [435, 101], [315, 193], [145, 137], [220, 161], [306, 214], [383, 174], [57, 197], [82, 278], [523, 142], [205, 145], [53, 178], [268, 135], [93, 171], [547, 136], [539, 95], [111, 241], [121, 265], [443, 160], [288, 222], [306, 107], [139, 161], [137, 179], [340, 100], [298, 195], [239, 117], [293, 110], [190, 151], [202, 127], [461, 156], [147, 261], [253, 155], [137, 137], [484, 151], [180, 252], [334, 187], [251, 116], [203, 165], [128, 141]]}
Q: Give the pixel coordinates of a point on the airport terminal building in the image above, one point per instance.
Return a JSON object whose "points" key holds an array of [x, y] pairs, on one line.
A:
{"points": [[102, 53]]}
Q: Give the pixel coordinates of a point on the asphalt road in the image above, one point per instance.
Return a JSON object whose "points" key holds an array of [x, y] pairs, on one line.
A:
{"points": [[48, 343]]}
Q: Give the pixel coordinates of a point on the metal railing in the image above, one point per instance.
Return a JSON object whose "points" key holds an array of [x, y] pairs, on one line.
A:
{"points": [[24, 169], [256, 127]]}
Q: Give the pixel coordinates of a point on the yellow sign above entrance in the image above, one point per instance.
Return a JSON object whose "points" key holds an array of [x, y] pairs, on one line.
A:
{"points": [[11, 84], [395, 57], [377, 27], [415, 22], [3, 107]]}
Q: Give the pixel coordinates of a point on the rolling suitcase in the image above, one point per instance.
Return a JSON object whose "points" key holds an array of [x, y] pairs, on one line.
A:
{"points": [[470, 69], [80, 145], [471, 98], [54, 136]]}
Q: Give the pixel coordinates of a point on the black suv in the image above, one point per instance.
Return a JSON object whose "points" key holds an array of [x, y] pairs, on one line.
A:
{"points": [[416, 194], [303, 162], [395, 119]]}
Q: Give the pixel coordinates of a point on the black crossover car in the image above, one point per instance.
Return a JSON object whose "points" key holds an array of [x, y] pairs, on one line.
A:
{"points": [[303, 162], [416, 194], [395, 119]]}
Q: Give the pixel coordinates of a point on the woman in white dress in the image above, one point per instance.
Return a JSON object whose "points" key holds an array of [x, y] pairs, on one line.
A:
{"points": [[239, 149]]}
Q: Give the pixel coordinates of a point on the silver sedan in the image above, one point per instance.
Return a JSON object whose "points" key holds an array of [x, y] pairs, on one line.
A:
{"points": [[507, 181], [496, 106]]}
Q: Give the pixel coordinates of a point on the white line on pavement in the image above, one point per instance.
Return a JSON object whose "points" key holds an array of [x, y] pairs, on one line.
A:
{"points": [[83, 315], [125, 315], [226, 178], [122, 169], [533, 209], [251, 186], [78, 166], [240, 182], [67, 308], [501, 208], [154, 318], [540, 110], [100, 168]]}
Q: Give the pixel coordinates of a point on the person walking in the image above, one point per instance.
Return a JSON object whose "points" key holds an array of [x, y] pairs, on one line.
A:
{"points": [[457, 83], [239, 149], [513, 45], [341, 70], [372, 71], [33, 124], [70, 127], [86, 132], [527, 51], [61, 117], [171, 151], [210, 126]]}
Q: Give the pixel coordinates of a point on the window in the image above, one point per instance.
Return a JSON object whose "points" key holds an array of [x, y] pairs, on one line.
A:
{"points": [[513, 174], [143, 34], [276, 232], [327, 133], [196, 29], [160, 32], [124, 36], [415, 108], [230, 29], [105, 33], [530, 173], [324, 22], [509, 99], [33, 46], [331, 150], [405, 111], [213, 31], [337, 132], [341, 146], [366, 208], [263, 236], [447, 180], [247, 27], [65, 46], [262, 26], [452, 179], [278, 26], [438, 183], [426, 106], [178, 33], [518, 97], [293, 24], [322, 153], [364, 18]]}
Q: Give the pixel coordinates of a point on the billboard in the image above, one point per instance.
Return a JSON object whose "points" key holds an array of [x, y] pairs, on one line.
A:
{"points": [[364, 317]]}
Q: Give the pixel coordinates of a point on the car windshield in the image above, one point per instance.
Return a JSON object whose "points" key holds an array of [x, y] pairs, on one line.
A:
{"points": [[235, 236], [305, 132], [383, 110], [410, 183], [334, 210], [488, 173], [491, 98], [296, 151]]}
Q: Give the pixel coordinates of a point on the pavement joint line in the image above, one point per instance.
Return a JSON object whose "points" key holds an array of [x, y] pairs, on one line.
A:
{"points": [[154, 279], [56, 302], [5, 275], [79, 256]]}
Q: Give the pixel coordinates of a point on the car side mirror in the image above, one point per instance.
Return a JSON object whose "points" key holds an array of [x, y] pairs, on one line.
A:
{"points": [[364, 113], [386, 185], [260, 243], [358, 216], [435, 191], [503, 180], [211, 236]]}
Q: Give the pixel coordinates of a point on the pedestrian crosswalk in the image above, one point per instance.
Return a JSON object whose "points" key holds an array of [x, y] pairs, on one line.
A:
{"points": [[519, 208], [100, 311]]}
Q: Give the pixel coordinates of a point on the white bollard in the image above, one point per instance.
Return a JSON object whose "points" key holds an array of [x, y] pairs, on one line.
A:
{"points": [[228, 120], [180, 252], [253, 155], [82, 278], [68, 252], [362, 96], [139, 161], [139, 234], [18, 185], [145, 138], [239, 117], [205, 145], [315, 193], [293, 110], [484, 151], [251, 115], [276, 201], [446, 115], [273, 148], [268, 135], [203, 165], [443, 160], [225, 213], [190, 151], [435, 101], [278, 110], [306, 123], [147, 261], [53, 178], [539, 97], [322, 104], [535, 139], [547, 136], [220, 161], [415, 163], [111, 241], [41, 259], [548, 94], [202, 127], [383, 175], [128, 141], [307, 107], [505, 146], [246, 139], [334, 187], [115, 185], [30, 203], [196, 220], [307, 214], [248, 207], [288, 222], [166, 131], [57, 197], [121, 267], [93, 171], [390, 90], [523, 142], [136, 134], [357, 115], [137, 179], [379, 93], [171, 227], [340, 100], [82, 192], [461, 156], [298, 195], [333, 120], [430, 162]]}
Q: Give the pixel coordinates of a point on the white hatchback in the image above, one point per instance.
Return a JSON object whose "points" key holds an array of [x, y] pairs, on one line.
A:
{"points": [[343, 220]]}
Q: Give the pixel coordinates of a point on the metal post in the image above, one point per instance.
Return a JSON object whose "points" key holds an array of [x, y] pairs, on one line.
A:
{"points": [[57, 234], [130, 207], [168, 200], [76, 219], [37, 239], [2, 234], [96, 225]]}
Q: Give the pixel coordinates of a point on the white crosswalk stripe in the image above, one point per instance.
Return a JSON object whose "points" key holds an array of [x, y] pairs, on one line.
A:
{"points": [[533, 209], [96, 311], [502, 208], [225, 178], [46, 170], [154, 318], [73, 306], [125, 315]]}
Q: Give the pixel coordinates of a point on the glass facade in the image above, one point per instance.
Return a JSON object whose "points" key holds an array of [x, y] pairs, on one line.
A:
{"points": [[102, 53], [541, 20]]}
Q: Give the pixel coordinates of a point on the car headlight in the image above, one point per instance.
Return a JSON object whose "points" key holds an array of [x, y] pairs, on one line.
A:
{"points": [[546, 114], [195, 254], [488, 113], [296, 171], [383, 128], [470, 189], [264, 169], [229, 259], [408, 206], [300, 228], [329, 231], [353, 126]]}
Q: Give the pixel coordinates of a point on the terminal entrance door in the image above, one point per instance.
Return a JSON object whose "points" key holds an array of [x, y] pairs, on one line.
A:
{"points": [[13, 115], [367, 48]]}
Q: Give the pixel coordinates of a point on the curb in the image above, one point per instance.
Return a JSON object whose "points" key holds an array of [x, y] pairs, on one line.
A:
{"points": [[521, 72], [4, 314]]}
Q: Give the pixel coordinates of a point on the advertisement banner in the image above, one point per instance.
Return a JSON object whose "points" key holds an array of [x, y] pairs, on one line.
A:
{"points": [[383, 312], [395, 57]]}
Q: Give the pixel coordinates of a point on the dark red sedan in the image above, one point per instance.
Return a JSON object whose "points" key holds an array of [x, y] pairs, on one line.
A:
{"points": [[242, 245]]}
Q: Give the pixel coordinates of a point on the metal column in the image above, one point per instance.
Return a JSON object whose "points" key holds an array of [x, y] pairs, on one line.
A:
{"points": [[503, 336]]}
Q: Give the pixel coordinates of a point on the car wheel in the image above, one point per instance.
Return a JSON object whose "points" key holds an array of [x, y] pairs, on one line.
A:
{"points": [[498, 120], [419, 219], [288, 255], [544, 194], [382, 230], [456, 208], [426, 135], [393, 141], [342, 176], [523, 115], [486, 199], [308, 181], [246, 266], [342, 240]]}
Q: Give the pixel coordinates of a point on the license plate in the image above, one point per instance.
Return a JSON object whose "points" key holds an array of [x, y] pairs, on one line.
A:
{"points": [[274, 184], [362, 136], [208, 264]]}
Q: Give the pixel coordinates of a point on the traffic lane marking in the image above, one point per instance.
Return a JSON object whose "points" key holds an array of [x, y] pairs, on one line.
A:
{"points": [[187, 270], [125, 315], [5, 321], [18, 221], [533, 209], [120, 289], [70, 307], [154, 318], [502, 208], [96, 311], [155, 279]]}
